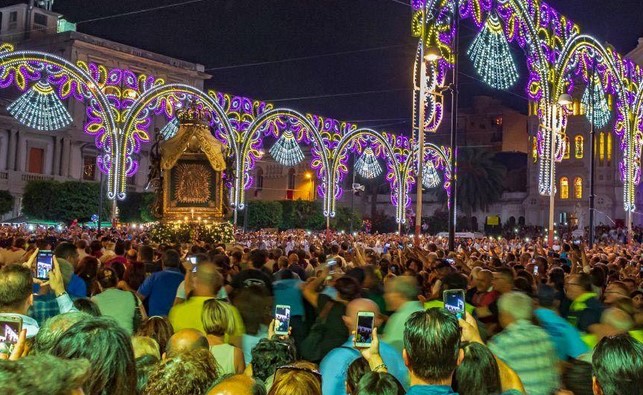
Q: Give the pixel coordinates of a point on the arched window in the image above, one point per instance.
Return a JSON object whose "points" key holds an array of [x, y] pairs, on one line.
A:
{"points": [[259, 179], [601, 148], [578, 147], [609, 149], [521, 221], [578, 188], [291, 179], [564, 188], [567, 148]]}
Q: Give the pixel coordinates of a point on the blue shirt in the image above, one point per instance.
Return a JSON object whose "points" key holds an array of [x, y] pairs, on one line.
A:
{"points": [[431, 390], [566, 338], [77, 287], [287, 292], [160, 290], [335, 365]]}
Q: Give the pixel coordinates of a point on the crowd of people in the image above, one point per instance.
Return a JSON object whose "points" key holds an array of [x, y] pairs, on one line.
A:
{"points": [[120, 314]]}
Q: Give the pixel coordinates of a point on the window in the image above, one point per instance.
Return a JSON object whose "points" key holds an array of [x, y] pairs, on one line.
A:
{"points": [[36, 160], [13, 16], [259, 177], [578, 188], [564, 188], [601, 148], [567, 148], [89, 168], [608, 149], [39, 19], [578, 147], [131, 180], [291, 179]]}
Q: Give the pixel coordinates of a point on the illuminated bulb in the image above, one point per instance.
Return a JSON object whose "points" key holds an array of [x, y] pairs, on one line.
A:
{"points": [[40, 108], [430, 176], [286, 151], [367, 165], [170, 129], [491, 57], [595, 101]]}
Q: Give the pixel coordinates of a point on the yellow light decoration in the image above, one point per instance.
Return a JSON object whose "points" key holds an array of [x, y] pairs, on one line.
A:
{"points": [[40, 108]]}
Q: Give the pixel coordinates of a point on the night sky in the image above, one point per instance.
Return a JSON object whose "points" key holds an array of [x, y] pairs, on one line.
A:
{"points": [[223, 34]]}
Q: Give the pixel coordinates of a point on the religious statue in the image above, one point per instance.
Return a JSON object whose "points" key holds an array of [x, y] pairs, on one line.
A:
{"points": [[580, 215], [154, 175]]}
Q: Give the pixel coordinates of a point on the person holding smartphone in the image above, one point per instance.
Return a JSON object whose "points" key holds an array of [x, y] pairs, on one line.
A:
{"points": [[17, 282], [361, 318]]}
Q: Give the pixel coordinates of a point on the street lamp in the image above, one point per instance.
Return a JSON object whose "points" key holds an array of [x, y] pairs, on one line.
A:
{"points": [[432, 54]]}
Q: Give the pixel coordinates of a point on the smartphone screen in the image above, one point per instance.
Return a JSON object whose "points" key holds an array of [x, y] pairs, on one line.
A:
{"points": [[364, 332], [536, 270], [282, 316], [454, 301], [44, 264], [10, 328]]}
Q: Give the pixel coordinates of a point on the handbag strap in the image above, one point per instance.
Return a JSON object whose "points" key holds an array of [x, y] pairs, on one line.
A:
{"points": [[136, 301], [326, 310]]}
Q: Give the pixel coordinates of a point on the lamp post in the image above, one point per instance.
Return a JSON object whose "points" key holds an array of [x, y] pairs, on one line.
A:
{"points": [[431, 54], [563, 100], [454, 133]]}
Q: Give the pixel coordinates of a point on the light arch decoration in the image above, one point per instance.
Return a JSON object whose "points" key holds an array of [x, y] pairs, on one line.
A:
{"points": [[21, 68], [390, 148], [321, 134], [556, 52], [165, 100]]}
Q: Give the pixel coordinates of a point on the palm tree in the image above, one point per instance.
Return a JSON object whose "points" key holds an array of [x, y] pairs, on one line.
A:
{"points": [[480, 180]]}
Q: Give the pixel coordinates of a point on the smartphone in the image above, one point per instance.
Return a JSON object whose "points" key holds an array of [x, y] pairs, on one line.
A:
{"points": [[192, 260], [577, 242], [44, 264], [331, 263], [454, 301], [282, 316], [10, 327], [536, 270], [450, 261], [364, 332]]}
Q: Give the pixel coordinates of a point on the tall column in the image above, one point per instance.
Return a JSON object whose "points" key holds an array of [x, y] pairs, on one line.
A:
{"points": [[13, 148], [57, 148], [66, 153]]}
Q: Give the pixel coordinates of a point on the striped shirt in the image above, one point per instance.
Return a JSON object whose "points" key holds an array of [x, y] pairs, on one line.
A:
{"points": [[528, 350]]}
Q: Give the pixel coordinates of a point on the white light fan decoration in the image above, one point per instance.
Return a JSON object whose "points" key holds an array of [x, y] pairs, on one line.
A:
{"points": [[367, 165], [430, 176], [491, 55], [595, 101], [286, 151], [40, 108]]}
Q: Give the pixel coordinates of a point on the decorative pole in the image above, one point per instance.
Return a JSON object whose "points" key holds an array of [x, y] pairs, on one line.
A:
{"points": [[454, 133], [592, 168]]}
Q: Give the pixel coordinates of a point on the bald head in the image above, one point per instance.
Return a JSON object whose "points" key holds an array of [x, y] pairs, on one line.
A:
{"points": [[239, 384], [185, 340], [357, 305]]}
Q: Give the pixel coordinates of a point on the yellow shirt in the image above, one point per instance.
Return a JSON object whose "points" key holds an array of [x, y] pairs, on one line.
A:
{"points": [[188, 315]]}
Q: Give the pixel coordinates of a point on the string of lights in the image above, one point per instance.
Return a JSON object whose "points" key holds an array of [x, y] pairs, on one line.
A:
{"points": [[286, 151], [367, 165]]}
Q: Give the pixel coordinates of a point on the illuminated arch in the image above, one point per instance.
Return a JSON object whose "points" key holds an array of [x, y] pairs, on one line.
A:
{"points": [[357, 140], [249, 150], [163, 99], [22, 67], [575, 57]]}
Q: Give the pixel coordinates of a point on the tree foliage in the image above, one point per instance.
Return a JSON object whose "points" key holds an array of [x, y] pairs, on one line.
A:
{"points": [[263, 214], [62, 201], [6, 202], [137, 207]]}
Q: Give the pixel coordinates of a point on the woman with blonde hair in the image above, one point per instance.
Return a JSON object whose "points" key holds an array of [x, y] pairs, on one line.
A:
{"points": [[301, 378], [218, 321]]}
